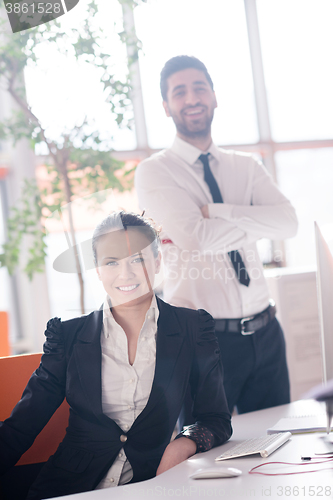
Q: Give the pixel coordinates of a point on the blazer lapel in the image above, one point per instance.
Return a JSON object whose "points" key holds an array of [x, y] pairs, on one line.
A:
{"points": [[88, 358], [168, 344]]}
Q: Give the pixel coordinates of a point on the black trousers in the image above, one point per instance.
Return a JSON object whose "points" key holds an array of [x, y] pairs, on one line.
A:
{"points": [[255, 371]]}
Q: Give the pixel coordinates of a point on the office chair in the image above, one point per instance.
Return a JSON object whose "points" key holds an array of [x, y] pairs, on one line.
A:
{"points": [[4, 340], [15, 372]]}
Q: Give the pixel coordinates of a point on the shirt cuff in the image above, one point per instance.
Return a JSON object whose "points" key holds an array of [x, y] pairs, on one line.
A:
{"points": [[220, 211], [202, 436]]}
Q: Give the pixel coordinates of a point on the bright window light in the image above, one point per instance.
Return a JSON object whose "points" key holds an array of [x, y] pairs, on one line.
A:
{"points": [[216, 33], [297, 42], [62, 92], [305, 176]]}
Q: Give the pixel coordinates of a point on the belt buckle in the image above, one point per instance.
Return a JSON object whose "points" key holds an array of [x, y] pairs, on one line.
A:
{"points": [[242, 322]]}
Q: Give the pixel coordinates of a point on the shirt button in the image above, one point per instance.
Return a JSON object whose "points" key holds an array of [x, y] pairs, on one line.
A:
{"points": [[126, 426], [111, 480], [131, 380], [120, 455], [123, 438], [129, 407]]}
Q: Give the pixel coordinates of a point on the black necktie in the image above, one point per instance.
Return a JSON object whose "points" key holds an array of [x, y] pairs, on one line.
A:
{"points": [[234, 255]]}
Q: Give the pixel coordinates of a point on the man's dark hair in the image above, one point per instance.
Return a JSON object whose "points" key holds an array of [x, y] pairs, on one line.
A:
{"points": [[179, 63]]}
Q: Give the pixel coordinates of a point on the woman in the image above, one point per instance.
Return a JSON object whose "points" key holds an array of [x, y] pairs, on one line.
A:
{"points": [[124, 371]]}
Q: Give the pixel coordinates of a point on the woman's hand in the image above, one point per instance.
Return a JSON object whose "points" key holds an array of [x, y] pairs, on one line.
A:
{"points": [[175, 453]]}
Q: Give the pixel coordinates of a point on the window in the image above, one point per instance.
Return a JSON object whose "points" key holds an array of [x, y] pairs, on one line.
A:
{"points": [[306, 178], [215, 33], [63, 92], [296, 41]]}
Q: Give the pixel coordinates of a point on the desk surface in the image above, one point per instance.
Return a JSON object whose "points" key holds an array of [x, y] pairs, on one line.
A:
{"points": [[176, 482]]}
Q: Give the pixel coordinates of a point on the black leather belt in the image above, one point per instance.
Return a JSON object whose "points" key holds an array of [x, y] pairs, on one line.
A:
{"points": [[249, 325]]}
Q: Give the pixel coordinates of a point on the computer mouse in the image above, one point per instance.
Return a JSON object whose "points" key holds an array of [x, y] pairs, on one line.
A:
{"points": [[215, 472]]}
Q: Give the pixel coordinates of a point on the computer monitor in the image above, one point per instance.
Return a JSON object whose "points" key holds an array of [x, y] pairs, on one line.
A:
{"points": [[324, 246]]}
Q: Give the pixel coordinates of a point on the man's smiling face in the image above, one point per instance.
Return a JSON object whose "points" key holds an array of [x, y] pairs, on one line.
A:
{"points": [[190, 103]]}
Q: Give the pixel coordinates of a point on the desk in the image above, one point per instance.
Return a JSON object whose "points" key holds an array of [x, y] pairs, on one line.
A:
{"points": [[175, 483]]}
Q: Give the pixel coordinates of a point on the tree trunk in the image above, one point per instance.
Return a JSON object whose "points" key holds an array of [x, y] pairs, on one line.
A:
{"points": [[72, 232]]}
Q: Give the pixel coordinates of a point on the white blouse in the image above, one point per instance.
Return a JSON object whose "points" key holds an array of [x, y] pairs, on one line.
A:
{"points": [[126, 388]]}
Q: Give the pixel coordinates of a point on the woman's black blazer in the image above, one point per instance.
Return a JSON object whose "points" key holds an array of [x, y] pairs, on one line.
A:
{"points": [[186, 351]]}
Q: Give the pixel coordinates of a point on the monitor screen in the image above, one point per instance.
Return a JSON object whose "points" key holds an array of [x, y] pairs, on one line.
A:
{"points": [[324, 246]]}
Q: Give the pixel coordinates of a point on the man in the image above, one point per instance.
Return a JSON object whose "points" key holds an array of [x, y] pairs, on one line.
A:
{"points": [[213, 205]]}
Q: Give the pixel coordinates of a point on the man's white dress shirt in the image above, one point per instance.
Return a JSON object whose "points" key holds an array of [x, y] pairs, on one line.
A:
{"points": [[199, 274], [126, 388]]}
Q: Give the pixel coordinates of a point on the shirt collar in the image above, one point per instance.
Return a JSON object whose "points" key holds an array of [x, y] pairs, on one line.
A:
{"points": [[154, 309], [190, 153], [107, 313]]}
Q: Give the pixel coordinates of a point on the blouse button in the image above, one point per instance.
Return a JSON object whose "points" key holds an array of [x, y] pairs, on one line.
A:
{"points": [[123, 438]]}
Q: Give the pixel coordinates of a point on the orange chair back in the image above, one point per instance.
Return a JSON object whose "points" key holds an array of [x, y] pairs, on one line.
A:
{"points": [[4, 334], [15, 372]]}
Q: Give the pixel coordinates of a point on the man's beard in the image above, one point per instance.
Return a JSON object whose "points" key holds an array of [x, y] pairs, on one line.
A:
{"points": [[193, 134], [202, 131]]}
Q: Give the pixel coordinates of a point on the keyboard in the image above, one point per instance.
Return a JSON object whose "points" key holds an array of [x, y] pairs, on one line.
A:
{"points": [[263, 445]]}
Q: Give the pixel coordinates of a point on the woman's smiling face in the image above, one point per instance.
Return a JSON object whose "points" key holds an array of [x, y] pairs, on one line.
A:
{"points": [[126, 265]]}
